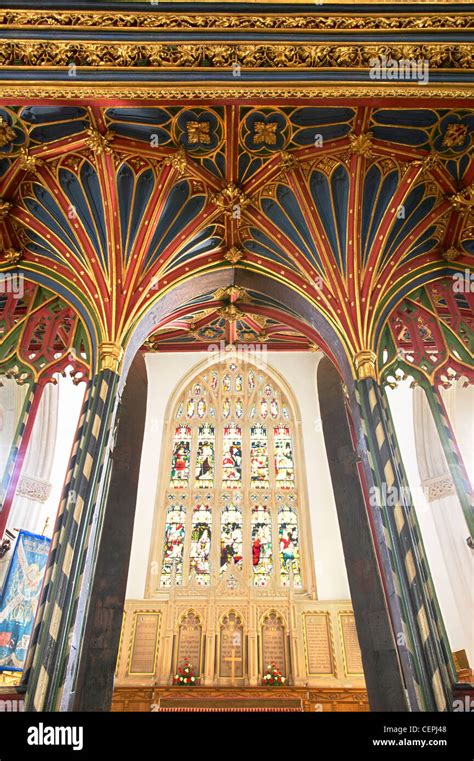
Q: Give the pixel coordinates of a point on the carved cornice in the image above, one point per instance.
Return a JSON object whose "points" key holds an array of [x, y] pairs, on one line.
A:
{"points": [[265, 90], [170, 21], [297, 55]]}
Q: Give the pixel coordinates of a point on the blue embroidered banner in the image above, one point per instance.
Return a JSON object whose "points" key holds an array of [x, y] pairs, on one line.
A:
{"points": [[20, 597]]}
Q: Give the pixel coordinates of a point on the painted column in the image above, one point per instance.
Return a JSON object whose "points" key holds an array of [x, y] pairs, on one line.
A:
{"points": [[18, 450], [430, 664], [452, 453], [73, 552]]}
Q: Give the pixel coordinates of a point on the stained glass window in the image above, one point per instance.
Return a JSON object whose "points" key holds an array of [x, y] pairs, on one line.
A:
{"points": [[205, 457], [232, 457], [259, 457], [231, 537], [289, 546], [173, 545], [284, 469], [201, 543], [181, 457], [261, 545]]}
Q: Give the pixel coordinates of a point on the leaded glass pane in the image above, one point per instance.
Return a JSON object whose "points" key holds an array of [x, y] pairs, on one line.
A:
{"points": [[205, 458], [173, 545], [232, 457], [289, 546], [259, 471], [181, 457], [261, 545], [284, 468], [231, 537], [201, 543]]}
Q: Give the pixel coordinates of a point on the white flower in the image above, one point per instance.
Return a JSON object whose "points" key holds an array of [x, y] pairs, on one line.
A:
{"points": [[193, 679]]}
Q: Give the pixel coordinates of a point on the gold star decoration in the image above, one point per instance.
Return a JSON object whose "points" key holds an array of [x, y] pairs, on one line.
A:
{"points": [[198, 132], [265, 132]]}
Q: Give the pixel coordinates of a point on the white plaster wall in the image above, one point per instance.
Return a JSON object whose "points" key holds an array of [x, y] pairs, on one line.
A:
{"points": [[165, 371]]}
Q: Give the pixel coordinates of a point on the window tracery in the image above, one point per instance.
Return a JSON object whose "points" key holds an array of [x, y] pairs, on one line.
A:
{"points": [[233, 496]]}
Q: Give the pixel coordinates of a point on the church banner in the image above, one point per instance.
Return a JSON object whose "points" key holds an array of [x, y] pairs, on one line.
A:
{"points": [[19, 599]]}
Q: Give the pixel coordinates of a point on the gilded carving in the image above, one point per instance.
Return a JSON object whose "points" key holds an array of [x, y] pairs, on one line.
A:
{"points": [[178, 161], [231, 200], [27, 162], [464, 199], [5, 207], [99, 143], [234, 255], [254, 55], [326, 22], [12, 257], [7, 134], [110, 356], [231, 91], [365, 364], [451, 254], [361, 145]]}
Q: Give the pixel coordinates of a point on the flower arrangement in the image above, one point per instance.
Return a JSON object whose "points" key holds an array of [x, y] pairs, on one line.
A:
{"points": [[273, 676], [185, 676]]}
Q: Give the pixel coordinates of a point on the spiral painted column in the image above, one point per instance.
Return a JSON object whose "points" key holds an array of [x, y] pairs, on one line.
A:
{"points": [[72, 551]]}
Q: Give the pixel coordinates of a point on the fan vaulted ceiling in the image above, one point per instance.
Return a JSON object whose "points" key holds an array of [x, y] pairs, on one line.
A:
{"points": [[351, 205]]}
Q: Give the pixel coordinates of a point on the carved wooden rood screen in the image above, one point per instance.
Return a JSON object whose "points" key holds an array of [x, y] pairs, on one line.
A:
{"points": [[237, 181]]}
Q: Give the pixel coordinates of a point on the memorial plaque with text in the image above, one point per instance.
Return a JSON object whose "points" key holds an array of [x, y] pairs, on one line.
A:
{"points": [[352, 655], [189, 645], [145, 643], [318, 644], [273, 646]]}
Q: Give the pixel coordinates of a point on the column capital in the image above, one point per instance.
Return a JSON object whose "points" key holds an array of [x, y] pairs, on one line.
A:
{"points": [[365, 363], [110, 356]]}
